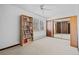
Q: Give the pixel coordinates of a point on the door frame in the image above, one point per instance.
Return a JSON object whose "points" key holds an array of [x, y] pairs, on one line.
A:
{"points": [[76, 28]]}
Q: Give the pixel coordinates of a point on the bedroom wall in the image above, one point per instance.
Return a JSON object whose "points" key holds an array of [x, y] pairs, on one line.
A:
{"points": [[10, 25]]}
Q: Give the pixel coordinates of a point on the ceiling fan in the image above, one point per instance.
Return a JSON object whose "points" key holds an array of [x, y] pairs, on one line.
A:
{"points": [[43, 7]]}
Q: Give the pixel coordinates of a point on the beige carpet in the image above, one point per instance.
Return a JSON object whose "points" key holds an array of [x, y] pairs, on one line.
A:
{"points": [[45, 46]]}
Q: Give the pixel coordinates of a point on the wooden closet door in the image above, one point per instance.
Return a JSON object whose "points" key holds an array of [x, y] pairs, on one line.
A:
{"points": [[64, 27], [58, 27], [68, 28], [73, 31]]}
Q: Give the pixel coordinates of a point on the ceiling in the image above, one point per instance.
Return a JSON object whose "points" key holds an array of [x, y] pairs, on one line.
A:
{"points": [[53, 9]]}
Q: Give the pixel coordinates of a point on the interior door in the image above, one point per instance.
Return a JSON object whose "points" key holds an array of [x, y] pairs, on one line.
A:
{"points": [[73, 31], [48, 28]]}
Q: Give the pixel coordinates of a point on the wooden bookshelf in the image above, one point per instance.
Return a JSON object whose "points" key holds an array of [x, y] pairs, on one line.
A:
{"points": [[26, 29]]}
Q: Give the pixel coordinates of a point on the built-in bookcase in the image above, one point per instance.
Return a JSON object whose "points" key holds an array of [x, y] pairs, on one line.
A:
{"points": [[26, 29]]}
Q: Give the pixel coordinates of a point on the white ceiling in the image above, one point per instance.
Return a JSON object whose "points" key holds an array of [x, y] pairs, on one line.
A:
{"points": [[54, 9]]}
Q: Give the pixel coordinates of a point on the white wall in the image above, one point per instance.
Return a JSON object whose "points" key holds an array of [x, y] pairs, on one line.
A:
{"points": [[10, 25]]}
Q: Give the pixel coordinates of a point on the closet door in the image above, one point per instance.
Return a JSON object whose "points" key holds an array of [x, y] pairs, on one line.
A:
{"points": [[64, 27], [68, 28], [58, 27], [73, 31]]}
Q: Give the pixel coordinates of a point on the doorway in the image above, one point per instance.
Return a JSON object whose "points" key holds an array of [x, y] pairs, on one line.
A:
{"points": [[64, 28]]}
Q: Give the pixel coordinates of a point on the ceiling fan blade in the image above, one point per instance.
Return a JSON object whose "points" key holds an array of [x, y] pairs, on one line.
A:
{"points": [[47, 9]]}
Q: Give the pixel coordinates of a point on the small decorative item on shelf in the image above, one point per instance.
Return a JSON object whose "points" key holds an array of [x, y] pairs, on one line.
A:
{"points": [[26, 29]]}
